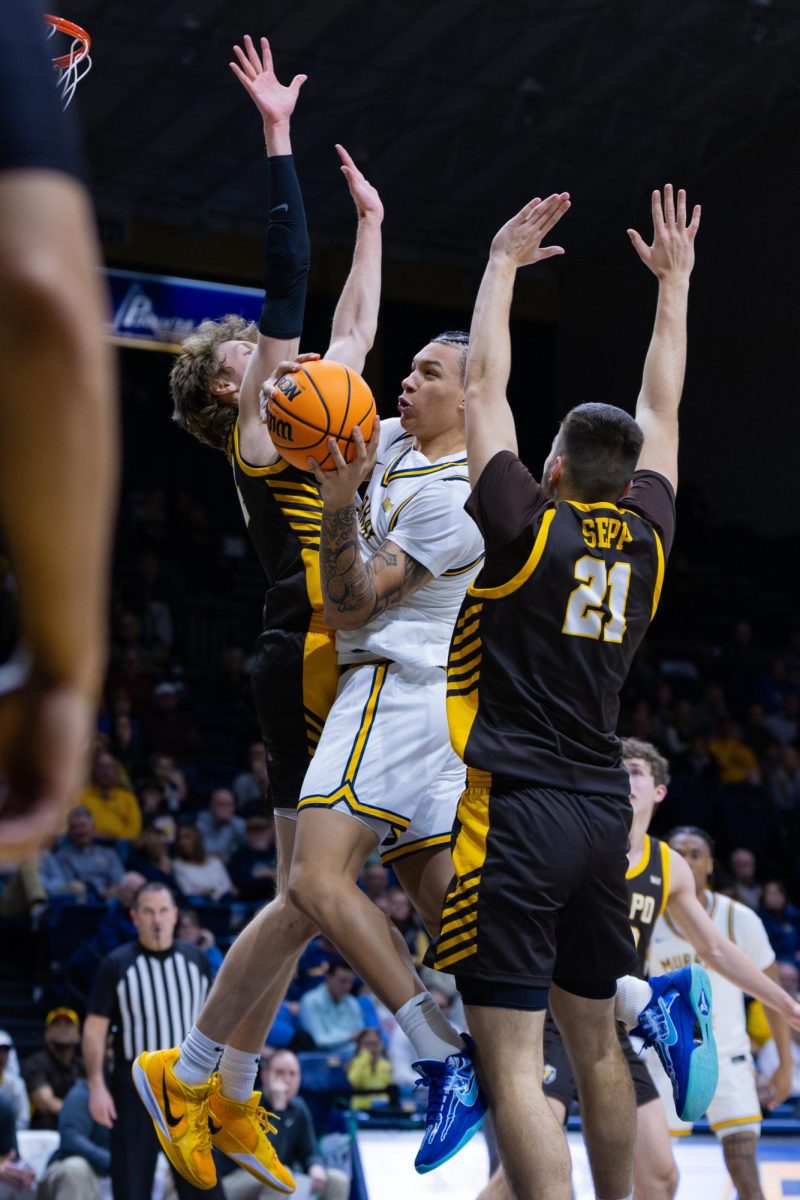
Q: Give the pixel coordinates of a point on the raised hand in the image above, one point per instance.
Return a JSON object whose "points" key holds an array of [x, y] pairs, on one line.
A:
{"points": [[338, 486], [283, 368], [365, 196], [672, 251], [273, 100], [520, 238]]}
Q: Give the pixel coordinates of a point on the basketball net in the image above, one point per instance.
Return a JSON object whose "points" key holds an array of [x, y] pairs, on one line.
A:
{"points": [[76, 63]]}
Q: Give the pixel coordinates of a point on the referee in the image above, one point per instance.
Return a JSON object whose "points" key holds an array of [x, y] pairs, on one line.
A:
{"points": [[150, 991]]}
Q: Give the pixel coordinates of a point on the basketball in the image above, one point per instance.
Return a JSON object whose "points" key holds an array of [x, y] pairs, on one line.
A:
{"points": [[323, 399]]}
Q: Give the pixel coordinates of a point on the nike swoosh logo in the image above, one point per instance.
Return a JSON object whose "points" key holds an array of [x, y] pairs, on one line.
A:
{"points": [[672, 1034], [279, 208], [470, 1096], [214, 1129], [171, 1120]]}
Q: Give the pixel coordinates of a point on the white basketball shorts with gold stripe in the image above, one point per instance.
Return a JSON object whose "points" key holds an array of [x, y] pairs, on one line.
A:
{"points": [[735, 1107], [385, 757]]}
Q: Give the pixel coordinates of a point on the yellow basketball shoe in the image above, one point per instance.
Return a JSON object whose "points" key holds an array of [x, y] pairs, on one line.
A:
{"points": [[180, 1115], [239, 1129]]}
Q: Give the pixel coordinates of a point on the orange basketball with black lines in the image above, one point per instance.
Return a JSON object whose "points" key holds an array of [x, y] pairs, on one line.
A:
{"points": [[322, 399]]}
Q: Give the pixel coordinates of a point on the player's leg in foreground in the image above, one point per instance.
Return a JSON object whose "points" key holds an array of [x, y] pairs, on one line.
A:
{"points": [[425, 876], [330, 851], [673, 1014], [229, 1035], [655, 1172], [511, 1064], [497, 1188], [605, 1090]]}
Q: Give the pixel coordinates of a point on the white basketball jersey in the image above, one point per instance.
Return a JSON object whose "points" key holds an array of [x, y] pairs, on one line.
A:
{"points": [[418, 505], [670, 950]]}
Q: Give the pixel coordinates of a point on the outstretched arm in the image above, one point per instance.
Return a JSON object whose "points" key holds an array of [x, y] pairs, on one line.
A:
{"points": [[489, 420], [779, 1085], [356, 316], [670, 258], [287, 253], [716, 951]]}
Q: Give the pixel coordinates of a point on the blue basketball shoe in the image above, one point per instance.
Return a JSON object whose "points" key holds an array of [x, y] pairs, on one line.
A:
{"points": [[677, 1023], [456, 1107]]}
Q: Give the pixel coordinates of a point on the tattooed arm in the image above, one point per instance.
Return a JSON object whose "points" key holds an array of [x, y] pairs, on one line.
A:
{"points": [[355, 591]]}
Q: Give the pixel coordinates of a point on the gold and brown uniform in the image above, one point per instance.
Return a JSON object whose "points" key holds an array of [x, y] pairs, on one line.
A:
{"points": [[648, 892], [295, 672], [542, 645]]}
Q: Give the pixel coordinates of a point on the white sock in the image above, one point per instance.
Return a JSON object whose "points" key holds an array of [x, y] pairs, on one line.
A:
{"points": [[632, 996], [238, 1070], [199, 1058], [428, 1030]]}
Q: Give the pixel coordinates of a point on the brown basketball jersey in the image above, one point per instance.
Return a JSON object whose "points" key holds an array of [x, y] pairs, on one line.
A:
{"points": [[648, 888], [547, 633], [283, 513]]}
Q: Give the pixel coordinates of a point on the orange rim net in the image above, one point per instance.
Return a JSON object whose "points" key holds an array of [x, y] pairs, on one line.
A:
{"points": [[73, 65]]}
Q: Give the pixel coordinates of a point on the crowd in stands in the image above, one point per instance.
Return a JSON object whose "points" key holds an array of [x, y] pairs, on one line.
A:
{"points": [[178, 793]]}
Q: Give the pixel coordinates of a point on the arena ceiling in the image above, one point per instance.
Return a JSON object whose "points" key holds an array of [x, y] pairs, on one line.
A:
{"points": [[458, 110]]}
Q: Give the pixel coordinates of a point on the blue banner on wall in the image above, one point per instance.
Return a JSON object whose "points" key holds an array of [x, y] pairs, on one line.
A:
{"points": [[158, 311]]}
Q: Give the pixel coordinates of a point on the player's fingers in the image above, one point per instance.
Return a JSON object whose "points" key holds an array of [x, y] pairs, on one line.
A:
{"points": [[298, 82], [336, 454], [550, 251], [264, 397], [658, 212], [548, 212], [308, 356], [694, 224], [681, 208], [240, 75], [266, 54], [552, 217], [669, 206], [346, 157], [252, 54], [526, 212], [244, 62], [639, 244], [316, 470]]}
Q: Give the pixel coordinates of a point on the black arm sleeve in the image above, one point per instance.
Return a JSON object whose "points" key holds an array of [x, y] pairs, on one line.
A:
{"points": [[287, 254], [34, 133]]}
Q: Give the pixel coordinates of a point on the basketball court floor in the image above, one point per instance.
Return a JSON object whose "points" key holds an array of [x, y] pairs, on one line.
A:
{"points": [[388, 1162]]}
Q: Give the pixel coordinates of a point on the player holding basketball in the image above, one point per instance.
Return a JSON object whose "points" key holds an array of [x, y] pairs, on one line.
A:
{"points": [[216, 383], [392, 578], [658, 878], [58, 378], [543, 644], [738, 934]]}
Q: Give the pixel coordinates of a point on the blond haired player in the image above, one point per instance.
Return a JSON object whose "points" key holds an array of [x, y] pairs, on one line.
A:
{"points": [[216, 385]]}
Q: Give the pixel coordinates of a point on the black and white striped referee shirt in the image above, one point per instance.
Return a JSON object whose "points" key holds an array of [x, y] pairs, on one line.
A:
{"points": [[151, 997]]}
